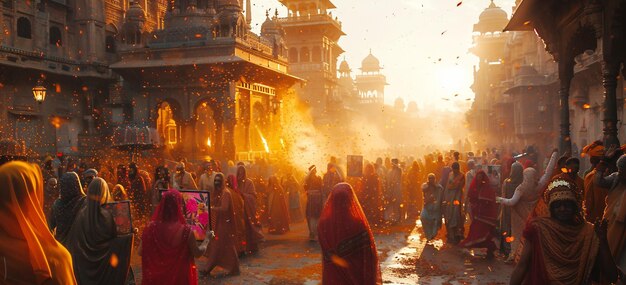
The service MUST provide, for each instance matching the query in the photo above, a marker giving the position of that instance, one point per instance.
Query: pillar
(610, 71)
(566, 73)
(219, 135)
(229, 140)
(187, 137)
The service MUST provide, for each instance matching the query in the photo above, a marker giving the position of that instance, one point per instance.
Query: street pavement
(405, 258)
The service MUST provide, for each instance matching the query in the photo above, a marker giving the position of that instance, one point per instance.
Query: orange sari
(29, 252)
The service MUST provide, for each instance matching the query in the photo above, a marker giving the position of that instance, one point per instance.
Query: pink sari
(166, 258)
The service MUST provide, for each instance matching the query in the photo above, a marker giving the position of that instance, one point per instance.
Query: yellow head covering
(594, 149)
(24, 235)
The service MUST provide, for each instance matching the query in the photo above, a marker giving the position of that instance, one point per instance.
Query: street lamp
(39, 92)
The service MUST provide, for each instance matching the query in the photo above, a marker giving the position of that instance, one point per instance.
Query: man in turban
(564, 248)
(595, 194)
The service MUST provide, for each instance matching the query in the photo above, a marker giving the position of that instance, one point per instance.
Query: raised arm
(547, 174)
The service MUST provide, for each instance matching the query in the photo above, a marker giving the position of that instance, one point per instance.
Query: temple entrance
(205, 129)
(166, 126)
(258, 136)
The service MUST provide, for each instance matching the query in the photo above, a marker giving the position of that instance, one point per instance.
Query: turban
(595, 149)
(561, 189)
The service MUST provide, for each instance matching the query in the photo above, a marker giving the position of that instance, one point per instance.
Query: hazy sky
(409, 37)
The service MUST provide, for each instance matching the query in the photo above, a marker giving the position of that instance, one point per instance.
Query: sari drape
(348, 248)
(30, 252)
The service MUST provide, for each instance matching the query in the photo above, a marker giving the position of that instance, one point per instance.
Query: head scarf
(232, 183)
(24, 236)
(98, 194)
(166, 257)
(483, 198)
(517, 174)
(71, 200)
(119, 193)
(346, 240)
(90, 171)
(91, 240)
(241, 173)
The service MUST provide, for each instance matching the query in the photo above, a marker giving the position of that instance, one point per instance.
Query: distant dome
(268, 25)
(370, 63)
(492, 19)
(135, 13)
(344, 67)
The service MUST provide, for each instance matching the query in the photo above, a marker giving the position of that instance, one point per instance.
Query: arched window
(317, 54)
(56, 38)
(109, 41)
(23, 28)
(305, 55)
(293, 55)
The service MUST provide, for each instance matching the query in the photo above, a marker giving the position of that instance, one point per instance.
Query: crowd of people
(539, 215)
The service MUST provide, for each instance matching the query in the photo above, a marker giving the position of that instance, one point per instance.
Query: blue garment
(431, 212)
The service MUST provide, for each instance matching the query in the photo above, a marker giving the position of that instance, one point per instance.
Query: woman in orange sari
(30, 254)
(348, 248)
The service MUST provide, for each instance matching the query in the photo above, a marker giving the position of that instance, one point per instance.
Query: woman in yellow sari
(28, 251)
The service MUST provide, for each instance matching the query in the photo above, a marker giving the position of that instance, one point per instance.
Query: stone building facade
(528, 101)
(192, 71)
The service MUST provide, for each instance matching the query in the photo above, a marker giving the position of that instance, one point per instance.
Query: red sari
(278, 217)
(348, 248)
(484, 213)
(166, 258)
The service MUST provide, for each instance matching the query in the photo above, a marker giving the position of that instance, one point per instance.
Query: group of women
(84, 248)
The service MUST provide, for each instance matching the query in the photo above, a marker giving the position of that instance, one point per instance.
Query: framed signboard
(196, 205)
(355, 166)
(121, 216)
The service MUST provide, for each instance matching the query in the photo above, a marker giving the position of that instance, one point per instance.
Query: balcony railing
(310, 19)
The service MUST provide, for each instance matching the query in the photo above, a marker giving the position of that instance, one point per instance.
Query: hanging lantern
(39, 92)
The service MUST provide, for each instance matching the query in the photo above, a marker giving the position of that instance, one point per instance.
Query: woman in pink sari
(482, 197)
(169, 247)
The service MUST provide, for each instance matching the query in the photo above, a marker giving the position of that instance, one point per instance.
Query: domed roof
(344, 67)
(270, 25)
(135, 13)
(492, 19)
(370, 63)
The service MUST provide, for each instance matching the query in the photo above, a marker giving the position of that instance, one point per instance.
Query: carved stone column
(610, 71)
(229, 140)
(566, 73)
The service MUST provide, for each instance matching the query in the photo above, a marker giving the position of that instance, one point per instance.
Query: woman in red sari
(482, 198)
(348, 248)
(278, 217)
(169, 246)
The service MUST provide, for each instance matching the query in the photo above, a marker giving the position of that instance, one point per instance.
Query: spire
(492, 5)
(249, 13)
